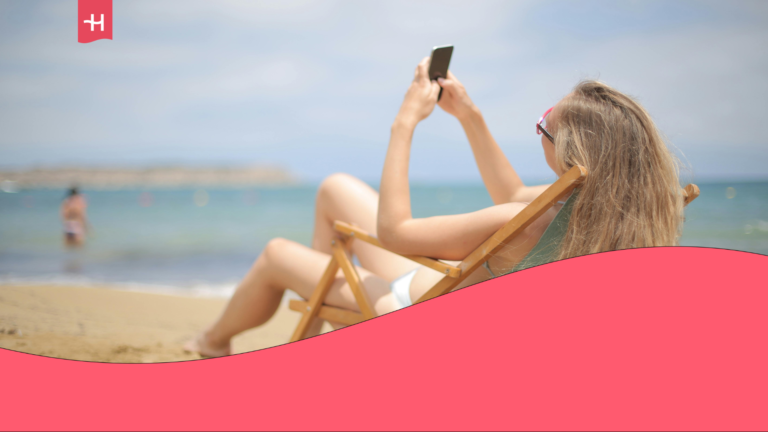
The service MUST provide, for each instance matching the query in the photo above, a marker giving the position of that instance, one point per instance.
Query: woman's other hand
(421, 97)
(455, 100)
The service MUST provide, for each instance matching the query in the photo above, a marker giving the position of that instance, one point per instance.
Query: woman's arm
(446, 237)
(501, 180)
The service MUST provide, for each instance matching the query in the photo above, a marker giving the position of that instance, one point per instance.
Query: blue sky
(314, 86)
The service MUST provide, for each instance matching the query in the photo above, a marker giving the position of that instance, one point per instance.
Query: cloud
(698, 82)
(280, 14)
(48, 48)
(250, 77)
(18, 88)
(238, 79)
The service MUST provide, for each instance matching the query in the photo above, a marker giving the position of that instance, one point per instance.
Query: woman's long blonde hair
(632, 196)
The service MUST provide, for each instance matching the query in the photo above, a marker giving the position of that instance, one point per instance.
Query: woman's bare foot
(201, 346)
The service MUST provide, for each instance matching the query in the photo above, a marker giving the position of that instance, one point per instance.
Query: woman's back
(73, 207)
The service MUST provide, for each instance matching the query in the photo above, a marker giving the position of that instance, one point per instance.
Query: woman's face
(549, 146)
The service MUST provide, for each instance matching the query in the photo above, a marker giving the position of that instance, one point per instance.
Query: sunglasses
(541, 126)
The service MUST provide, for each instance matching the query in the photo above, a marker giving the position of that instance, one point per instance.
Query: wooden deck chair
(454, 275)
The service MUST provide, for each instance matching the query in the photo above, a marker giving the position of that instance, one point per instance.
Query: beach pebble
(12, 331)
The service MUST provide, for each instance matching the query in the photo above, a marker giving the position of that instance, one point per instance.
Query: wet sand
(109, 325)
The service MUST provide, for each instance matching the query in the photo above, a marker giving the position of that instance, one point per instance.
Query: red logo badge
(94, 20)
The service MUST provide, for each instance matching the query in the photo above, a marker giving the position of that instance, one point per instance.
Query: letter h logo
(92, 22)
(88, 29)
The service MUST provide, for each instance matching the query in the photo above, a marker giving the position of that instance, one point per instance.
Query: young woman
(631, 199)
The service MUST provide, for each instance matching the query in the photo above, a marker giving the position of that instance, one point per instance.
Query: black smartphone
(438, 63)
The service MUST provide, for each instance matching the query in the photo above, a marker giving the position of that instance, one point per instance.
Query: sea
(200, 242)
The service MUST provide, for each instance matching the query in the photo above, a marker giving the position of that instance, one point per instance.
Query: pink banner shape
(656, 338)
(94, 20)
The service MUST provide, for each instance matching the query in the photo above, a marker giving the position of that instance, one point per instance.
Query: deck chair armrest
(357, 233)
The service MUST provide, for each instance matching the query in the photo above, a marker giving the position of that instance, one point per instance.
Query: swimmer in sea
(73, 215)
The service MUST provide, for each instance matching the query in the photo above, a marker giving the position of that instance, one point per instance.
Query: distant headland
(122, 178)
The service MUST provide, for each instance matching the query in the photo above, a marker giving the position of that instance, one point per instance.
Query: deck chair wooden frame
(454, 275)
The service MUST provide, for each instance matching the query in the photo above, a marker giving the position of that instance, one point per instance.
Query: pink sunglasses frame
(540, 129)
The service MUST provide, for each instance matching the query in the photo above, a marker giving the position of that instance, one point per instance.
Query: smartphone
(438, 63)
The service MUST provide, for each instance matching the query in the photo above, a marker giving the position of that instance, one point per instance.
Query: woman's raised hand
(455, 100)
(421, 97)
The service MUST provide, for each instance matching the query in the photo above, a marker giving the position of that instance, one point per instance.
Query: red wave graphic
(658, 338)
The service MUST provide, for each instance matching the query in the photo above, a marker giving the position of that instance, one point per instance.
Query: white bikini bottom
(401, 288)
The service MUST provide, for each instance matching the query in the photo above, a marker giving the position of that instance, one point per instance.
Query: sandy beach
(108, 325)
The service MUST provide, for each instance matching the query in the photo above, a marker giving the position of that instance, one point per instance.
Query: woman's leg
(284, 264)
(288, 265)
(348, 199)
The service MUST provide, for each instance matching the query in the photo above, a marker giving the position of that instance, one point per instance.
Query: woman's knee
(334, 184)
(275, 248)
